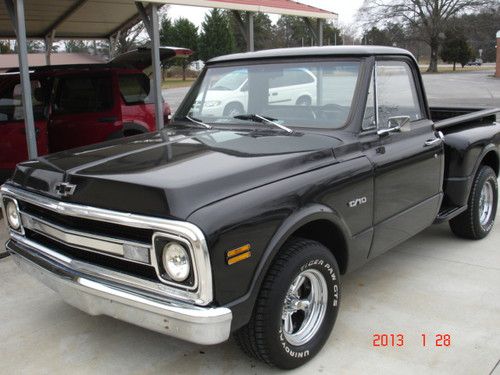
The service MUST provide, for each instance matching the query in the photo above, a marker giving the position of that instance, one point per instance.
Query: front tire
(477, 221)
(233, 109)
(296, 307)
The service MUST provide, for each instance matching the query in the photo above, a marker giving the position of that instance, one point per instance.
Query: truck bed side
(472, 139)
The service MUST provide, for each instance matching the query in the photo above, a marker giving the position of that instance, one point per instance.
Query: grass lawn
(172, 83)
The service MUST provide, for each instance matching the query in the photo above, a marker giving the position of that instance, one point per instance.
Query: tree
(293, 32)
(378, 37)
(129, 39)
(166, 32)
(216, 38)
(185, 34)
(427, 17)
(332, 35)
(76, 46)
(263, 32)
(5, 47)
(480, 29)
(456, 50)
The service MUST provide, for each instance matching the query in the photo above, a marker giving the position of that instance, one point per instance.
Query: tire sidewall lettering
(328, 271)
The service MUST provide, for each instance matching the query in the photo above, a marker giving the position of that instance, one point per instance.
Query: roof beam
(145, 18)
(136, 18)
(72, 10)
(9, 4)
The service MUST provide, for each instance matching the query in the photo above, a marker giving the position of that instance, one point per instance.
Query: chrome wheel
(304, 307)
(486, 203)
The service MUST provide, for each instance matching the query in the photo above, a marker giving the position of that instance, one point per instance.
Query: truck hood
(175, 172)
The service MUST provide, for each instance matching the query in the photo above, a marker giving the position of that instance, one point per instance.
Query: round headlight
(13, 215)
(176, 261)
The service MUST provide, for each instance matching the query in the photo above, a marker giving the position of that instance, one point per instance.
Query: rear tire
(296, 307)
(477, 221)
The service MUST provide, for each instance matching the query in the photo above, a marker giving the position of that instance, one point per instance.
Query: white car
(228, 96)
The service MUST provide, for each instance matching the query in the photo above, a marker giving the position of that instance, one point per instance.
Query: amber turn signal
(239, 254)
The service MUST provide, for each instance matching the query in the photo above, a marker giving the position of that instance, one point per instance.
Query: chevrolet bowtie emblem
(63, 189)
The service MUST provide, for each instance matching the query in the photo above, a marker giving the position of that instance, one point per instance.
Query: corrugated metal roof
(288, 7)
(103, 18)
(11, 60)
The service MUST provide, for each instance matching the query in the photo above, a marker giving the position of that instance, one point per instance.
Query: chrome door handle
(431, 142)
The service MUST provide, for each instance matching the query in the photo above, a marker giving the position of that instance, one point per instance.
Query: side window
(11, 104)
(134, 88)
(369, 118)
(396, 92)
(83, 94)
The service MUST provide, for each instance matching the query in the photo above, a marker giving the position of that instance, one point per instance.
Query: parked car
(79, 105)
(476, 62)
(228, 94)
(246, 224)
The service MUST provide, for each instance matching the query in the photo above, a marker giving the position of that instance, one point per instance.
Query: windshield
(300, 94)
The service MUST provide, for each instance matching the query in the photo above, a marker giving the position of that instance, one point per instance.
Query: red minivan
(78, 105)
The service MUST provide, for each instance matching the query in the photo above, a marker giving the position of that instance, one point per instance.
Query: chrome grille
(68, 229)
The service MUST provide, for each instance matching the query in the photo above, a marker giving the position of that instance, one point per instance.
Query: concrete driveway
(432, 284)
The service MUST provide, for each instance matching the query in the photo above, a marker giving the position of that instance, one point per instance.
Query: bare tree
(427, 17)
(130, 38)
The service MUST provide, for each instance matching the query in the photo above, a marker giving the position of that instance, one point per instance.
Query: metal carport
(103, 19)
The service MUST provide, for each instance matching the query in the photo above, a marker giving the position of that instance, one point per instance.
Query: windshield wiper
(198, 122)
(259, 118)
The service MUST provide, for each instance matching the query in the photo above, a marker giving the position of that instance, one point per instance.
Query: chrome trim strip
(82, 240)
(189, 232)
(201, 325)
(70, 237)
(103, 273)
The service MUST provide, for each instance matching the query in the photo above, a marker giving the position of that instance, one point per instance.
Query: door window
(396, 92)
(369, 118)
(82, 94)
(11, 104)
(134, 88)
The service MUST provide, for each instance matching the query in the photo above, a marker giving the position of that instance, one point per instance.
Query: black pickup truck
(282, 171)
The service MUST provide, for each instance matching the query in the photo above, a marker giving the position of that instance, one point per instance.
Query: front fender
(265, 217)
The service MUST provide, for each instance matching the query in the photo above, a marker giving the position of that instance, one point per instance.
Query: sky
(345, 9)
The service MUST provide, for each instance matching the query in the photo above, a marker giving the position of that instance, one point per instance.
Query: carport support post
(155, 55)
(498, 55)
(251, 37)
(20, 26)
(320, 32)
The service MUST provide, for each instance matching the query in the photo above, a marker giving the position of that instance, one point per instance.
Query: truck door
(84, 111)
(409, 163)
(13, 148)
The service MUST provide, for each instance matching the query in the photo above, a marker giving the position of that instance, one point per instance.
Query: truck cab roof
(313, 51)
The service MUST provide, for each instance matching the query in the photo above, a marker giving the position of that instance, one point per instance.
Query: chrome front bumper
(201, 325)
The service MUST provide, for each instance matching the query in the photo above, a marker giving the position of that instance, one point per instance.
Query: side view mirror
(395, 124)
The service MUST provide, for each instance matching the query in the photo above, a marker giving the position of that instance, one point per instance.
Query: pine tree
(185, 34)
(216, 38)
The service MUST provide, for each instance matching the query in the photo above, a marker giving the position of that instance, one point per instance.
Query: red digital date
(391, 339)
(439, 340)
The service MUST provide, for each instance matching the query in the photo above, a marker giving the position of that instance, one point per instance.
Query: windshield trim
(357, 98)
